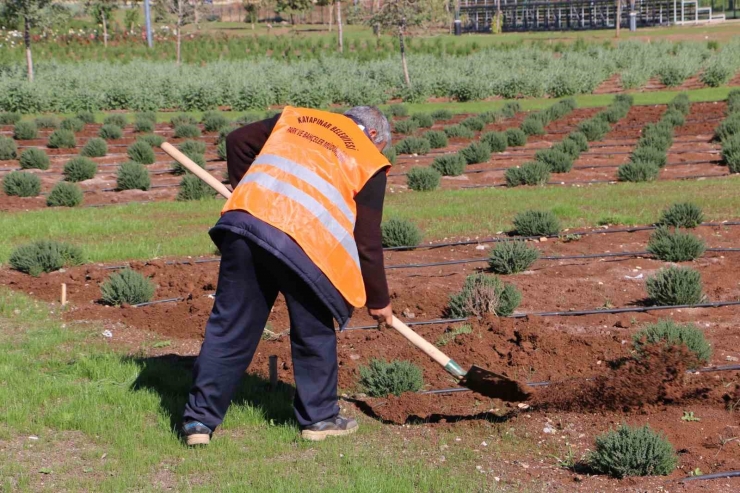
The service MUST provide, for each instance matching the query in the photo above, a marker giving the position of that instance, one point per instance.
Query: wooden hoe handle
(195, 169)
(431, 350)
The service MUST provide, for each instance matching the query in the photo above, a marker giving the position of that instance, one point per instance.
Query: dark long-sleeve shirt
(245, 143)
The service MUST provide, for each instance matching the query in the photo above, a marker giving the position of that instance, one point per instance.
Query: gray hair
(372, 119)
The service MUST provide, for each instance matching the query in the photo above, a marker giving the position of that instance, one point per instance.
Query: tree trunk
(339, 26)
(105, 28)
(292, 20)
(179, 30)
(331, 16)
(196, 14)
(619, 16)
(403, 54)
(27, 41)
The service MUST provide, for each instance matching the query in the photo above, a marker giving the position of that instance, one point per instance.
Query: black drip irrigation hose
(157, 302)
(574, 313)
(554, 257)
(455, 390)
(633, 229)
(716, 475)
(455, 262)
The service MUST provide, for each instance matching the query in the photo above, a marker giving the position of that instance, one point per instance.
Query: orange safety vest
(304, 183)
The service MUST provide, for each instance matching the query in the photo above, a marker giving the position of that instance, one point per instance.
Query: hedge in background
(65, 194)
(45, 256)
(422, 179)
(516, 137)
(25, 131)
(62, 139)
(79, 169)
(133, 176)
(449, 164)
(413, 145)
(675, 246)
(476, 152)
(8, 149)
(126, 287)
(675, 286)
(110, 132)
(532, 173)
(47, 122)
(73, 124)
(141, 152)
(193, 188)
(536, 223)
(95, 147)
(34, 158)
(638, 171)
(511, 257)
(437, 139)
(400, 233)
(496, 141)
(22, 184)
(682, 215)
(483, 294)
(118, 120)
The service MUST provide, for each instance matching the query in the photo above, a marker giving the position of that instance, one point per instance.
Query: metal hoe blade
(495, 386)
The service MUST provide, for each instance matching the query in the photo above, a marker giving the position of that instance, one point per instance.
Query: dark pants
(248, 283)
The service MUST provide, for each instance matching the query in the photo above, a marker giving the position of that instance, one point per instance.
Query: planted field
(589, 253)
(582, 300)
(694, 151)
(531, 72)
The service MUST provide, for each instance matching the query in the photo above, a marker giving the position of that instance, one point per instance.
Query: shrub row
(650, 155)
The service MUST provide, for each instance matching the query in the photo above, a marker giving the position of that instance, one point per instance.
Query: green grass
(583, 100)
(143, 231)
(104, 422)
(486, 211)
(118, 233)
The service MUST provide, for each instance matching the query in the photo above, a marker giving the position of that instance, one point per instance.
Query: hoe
(476, 379)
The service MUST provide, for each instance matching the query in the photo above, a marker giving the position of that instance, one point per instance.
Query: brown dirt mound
(657, 378)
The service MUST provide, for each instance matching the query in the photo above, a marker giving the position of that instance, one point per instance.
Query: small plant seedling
(450, 336)
(689, 416)
(608, 305)
(161, 344)
(568, 461)
(570, 237)
(696, 472)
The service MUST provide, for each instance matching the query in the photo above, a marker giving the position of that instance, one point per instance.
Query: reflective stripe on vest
(302, 173)
(312, 206)
(304, 183)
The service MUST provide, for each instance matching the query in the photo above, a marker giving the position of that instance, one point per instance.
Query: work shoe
(337, 426)
(196, 433)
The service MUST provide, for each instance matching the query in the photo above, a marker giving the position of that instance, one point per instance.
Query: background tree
(397, 16)
(292, 6)
(326, 3)
(340, 33)
(184, 11)
(29, 12)
(101, 12)
(132, 17)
